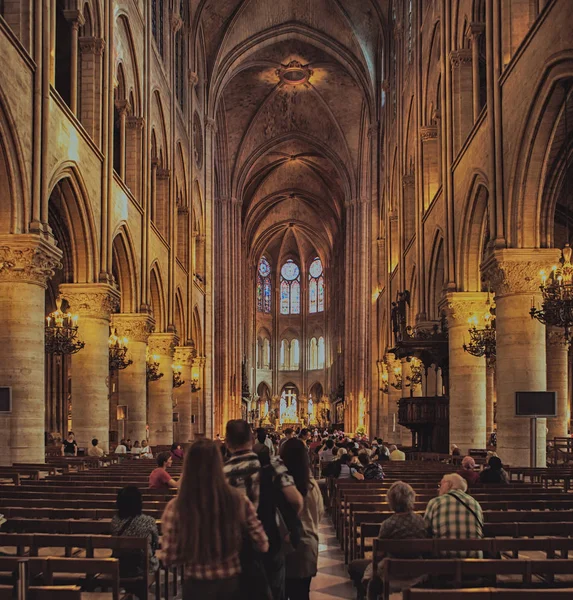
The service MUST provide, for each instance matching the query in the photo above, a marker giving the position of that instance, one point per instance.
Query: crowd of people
(245, 520)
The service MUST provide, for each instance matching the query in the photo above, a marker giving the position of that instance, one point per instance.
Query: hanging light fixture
(177, 380)
(397, 383)
(195, 379)
(383, 374)
(152, 368)
(482, 339)
(416, 372)
(118, 352)
(62, 332)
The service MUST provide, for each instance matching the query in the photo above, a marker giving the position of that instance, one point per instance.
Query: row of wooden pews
(59, 525)
(528, 528)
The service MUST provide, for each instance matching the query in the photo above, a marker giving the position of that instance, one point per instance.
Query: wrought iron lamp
(482, 339)
(152, 368)
(383, 374)
(177, 380)
(118, 352)
(195, 379)
(557, 290)
(416, 372)
(62, 332)
(397, 383)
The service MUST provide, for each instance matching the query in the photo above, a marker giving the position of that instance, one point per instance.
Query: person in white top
(136, 448)
(325, 453)
(121, 448)
(145, 450)
(95, 450)
(396, 454)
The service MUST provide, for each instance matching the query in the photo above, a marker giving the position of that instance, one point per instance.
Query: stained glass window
(315, 287)
(313, 354)
(264, 286)
(290, 288)
(321, 353)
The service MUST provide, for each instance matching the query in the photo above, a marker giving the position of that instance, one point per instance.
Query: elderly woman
(403, 524)
(468, 471)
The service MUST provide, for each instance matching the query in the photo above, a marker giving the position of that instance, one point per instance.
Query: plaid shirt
(243, 472)
(447, 517)
(224, 568)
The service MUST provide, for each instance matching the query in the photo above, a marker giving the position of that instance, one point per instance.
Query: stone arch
(14, 199)
(127, 55)
(157, 295)
(198, 332)
(124, 267)
(159, 123)
(526, 193)
(472, 227)
(180, 325)
(316, 390)
(436, 275)
(68, 193)
(264, 391)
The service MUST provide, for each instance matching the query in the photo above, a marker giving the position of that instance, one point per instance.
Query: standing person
(245, 472)
(289, 433)
(301, 565)
(69, 445)
(159, 478)
(203, 525)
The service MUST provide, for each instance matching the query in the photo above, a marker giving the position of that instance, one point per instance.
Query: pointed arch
(436, 275)
(124, 267)
(157, 297)
(180, 325)
(197, 332)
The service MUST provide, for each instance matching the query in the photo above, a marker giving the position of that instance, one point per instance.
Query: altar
(288, 413)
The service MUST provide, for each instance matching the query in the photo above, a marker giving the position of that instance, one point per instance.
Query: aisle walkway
(332, 580)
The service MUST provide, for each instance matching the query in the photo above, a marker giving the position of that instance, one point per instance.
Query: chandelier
(177, 380)
(416, 372)
(383, 372)
(152, 368)
(557, 291)
(195, 379)
(62, 332)
(118, 352)
(482, 339)
(397, 383)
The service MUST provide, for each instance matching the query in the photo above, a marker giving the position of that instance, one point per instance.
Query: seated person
(468, 471)
(121, 448)
(403, 524)
(176, 452)
(396, 454)
(145, 450)
(342, 469)
(130, 521)
(372, 471)
(456, 451)
(455, 514)
(69, 445)
(159, 478)
(136, 449)
(95, 450)
(494, 472)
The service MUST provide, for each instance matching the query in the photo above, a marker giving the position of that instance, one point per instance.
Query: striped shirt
(451, 516)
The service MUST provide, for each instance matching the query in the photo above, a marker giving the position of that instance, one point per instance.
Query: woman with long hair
(301, 565)
(203, 527)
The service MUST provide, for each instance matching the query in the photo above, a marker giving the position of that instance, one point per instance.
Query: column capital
(92, 45)
(461, 57)
(516, 270)
(137, 327)
(132, 122)
(428, 133)
(75, 17)
(123, 106)
(95, 300)
(185, 355)
(28, 258)
(460, 306)
(476, 29)
(162, 343)
(555, 337)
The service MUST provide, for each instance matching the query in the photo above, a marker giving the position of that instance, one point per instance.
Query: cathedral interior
(331, 213)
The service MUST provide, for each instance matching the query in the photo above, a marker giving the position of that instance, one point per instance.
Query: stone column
(462, 95)
(76, 19)
(160, 392)
(182, 395)
(467, 373)
(430, 163)
(93, 303)
(26, 263)
(489, 399)
(557, 380)
(520, 352)
(476, 31)
(132, 382)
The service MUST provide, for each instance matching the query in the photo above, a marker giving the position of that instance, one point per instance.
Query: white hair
(457, 482)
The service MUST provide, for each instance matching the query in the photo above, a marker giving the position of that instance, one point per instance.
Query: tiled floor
(332, 579)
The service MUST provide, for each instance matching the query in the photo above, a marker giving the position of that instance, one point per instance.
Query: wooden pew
(488, 594)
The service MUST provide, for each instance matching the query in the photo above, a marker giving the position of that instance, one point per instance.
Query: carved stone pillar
(91, 50)
(477, 30)
(182, 395)
(520, 352)
(467, 373)
(162, 199)
(409, 207)
(430, 163)
(160, 392)
(132, 382)
(123, 108)
(134, 155)
(94, 303)
(557, 380)
(76, 19)
(26, 263)
(462, 95)
(489, 400)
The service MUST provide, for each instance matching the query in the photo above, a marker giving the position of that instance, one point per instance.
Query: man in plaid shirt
(455, 514)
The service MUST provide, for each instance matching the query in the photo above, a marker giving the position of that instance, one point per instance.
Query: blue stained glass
(267, 296)
(312, 295)
(285, 293)
(264, 267)
(290, 271)
(315, 269)
(295, 298)
(321, 294)
(259, 295)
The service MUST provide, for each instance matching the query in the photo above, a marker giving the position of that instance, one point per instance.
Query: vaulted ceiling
(291, 145)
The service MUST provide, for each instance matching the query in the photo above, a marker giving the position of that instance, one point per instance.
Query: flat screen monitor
(535, 404)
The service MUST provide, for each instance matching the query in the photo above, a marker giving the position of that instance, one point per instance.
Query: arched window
(264, 286)
(320, 353)
(313, 354)
(266, 354)
(290, 288)
(284, 358)
(157, 23)
(294, 355)
(316, 287)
